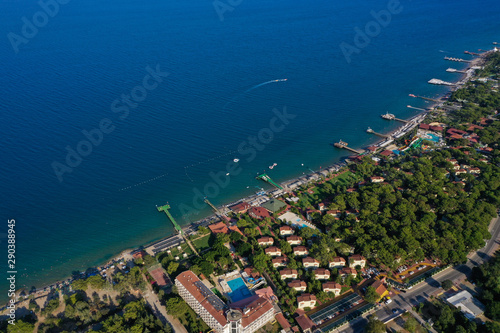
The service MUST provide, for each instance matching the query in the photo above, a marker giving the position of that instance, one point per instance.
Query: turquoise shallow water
(65, 79)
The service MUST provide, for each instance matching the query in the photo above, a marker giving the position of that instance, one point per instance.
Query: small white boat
(227, 174)
(236, 160)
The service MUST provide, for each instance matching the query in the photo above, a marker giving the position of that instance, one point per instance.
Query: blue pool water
(434, 137)
(239, 290)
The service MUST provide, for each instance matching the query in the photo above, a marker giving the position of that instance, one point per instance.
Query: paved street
(419, 293)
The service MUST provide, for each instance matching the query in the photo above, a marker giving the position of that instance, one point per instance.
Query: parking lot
(336, 308)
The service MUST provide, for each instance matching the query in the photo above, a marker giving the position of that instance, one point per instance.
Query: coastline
(304, 178)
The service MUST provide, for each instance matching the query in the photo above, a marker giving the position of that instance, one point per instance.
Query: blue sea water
(65, 79)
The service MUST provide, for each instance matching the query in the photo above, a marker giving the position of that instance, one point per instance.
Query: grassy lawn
(201, 243)
(217, 292)
(343, 178)
(185, 249)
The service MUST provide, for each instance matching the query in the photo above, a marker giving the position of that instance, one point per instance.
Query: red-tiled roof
(285, 227)
(252, 308)
(282, 321)
(288, 271)
(348, 270)
(338, 260)
(331, 285)
(272, 249)
(252, 272)
(293, 238)
(219, 228)
(379, 287)
(297, 284)
(310, 260)
(356, 257)
(258, 212)
(240, 207)
(236, 229)
(304, 322)
(386, 153)
(321, 271)
(266, 293)
(188, 279)
(279, 260)
(424, 126)
(300, 249)
(305, 298)
(436, 128)
(455, 131)
(265, 240)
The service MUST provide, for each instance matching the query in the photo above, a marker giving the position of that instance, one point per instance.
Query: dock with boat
(390, 116)
(344, 145)
(439, 82)
(268, 179)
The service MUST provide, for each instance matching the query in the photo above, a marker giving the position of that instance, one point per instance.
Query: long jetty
(456, 59)
(392, 117)
(343, 145)
(412, 107)
(221, 215)
(425, 98)
(453, 70)
(165, 209)
(369, 130)
(268, 179)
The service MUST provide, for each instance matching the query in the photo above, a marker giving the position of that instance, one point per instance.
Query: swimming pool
(239, 290)
(433, 137)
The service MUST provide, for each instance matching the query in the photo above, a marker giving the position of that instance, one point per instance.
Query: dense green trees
(375, 326)
(418, 213)
(487, 278)
(411, 324)
(446, 284)
(178, 308)
(371, 295)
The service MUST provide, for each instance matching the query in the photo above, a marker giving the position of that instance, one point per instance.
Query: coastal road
(160, 311)
(431, 286)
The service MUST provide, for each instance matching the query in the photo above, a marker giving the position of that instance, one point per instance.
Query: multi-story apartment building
(245, 316)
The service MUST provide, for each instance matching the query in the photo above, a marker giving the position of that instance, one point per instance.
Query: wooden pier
(343, 145)
(397, 119)
(369, 130)
(425, 98)
(219, 214)
(165, 209)
(456, 59)
(268, 179)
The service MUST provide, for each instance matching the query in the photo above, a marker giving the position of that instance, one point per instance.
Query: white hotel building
(245, 316)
